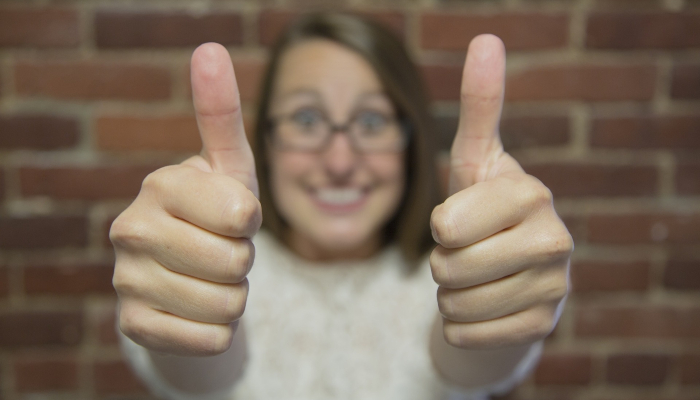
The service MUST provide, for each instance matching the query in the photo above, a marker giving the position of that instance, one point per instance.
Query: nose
(340, 159)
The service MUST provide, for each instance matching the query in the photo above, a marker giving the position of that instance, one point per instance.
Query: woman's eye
(307, 118)
(372, 121)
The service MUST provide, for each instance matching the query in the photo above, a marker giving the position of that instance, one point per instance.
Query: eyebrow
(317, 96)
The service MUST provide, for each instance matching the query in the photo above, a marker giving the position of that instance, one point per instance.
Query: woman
(341, 303)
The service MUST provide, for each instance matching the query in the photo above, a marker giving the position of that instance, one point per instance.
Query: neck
(306, 248)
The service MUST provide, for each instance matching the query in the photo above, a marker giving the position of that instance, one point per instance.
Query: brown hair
(403, 84)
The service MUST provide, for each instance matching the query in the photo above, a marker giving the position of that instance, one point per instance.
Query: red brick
(443, 81)
(519, 31)
(690, 369)
(118, 29)
(39, 27)
(685, 81)
(115, 377)
(271, 23)
(598, 276)
(92, 80)
(91, 183)
(627, 4)
(563, 369)
(4, 281)
(668, 132)
(646, 30)
(41, 132)
(582, 82)
(41, 375)
(637, 369)
(682, 274)
(644, 321)
(42, 232)
(40, 328)
(644, 228)
(687, 178)
(164, 133)
(68, 279)
(516, 132)
(572, 180)
(106, 328)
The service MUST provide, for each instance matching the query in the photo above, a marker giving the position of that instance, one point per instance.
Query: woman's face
(338, 199)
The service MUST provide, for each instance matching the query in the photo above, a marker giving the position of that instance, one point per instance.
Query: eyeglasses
(310, 130)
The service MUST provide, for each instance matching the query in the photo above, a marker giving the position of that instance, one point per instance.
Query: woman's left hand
(502, 260)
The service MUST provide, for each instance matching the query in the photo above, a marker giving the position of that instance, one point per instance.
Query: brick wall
(603, 106)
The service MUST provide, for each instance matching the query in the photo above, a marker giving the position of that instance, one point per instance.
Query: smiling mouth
(339, 200)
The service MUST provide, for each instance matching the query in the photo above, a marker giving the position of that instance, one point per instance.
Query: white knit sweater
(345, 330)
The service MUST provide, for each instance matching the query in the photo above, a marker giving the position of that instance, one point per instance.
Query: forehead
(330, 69)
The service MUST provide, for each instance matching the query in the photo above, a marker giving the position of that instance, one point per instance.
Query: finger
(218, 109)
(477, 142)
(484, 209)
(214, 202)
(505, 296)
(163, 332)
(523, 327)
(532, 245)
(184, 296)
(187, 249)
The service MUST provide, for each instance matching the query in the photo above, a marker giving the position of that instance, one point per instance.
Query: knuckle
(535, 193)
(557, 245)
(444, 226)
(240, 261)
(128, 232)
(444, 300)
(438, 266)
(235, 301)
(221, 340)
(246, 214)
(130, 322)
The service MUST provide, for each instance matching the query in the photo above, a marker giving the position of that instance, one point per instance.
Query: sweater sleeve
(141, 363)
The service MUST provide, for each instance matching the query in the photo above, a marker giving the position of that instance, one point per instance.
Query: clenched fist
(183, 247)
(502, 260)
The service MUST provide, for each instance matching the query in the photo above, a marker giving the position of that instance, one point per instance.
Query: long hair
(402, 82)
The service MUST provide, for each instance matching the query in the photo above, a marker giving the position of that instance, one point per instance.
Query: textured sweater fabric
(342, 330)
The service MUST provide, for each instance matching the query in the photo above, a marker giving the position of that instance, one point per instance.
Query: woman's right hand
(183, 247)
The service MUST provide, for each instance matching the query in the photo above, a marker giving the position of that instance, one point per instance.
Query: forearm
(473, 369)
(196, 376)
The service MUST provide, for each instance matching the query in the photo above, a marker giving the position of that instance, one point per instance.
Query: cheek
(285, 169)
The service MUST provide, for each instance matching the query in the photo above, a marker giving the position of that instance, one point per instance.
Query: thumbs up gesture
(502, 260)
(183, 247)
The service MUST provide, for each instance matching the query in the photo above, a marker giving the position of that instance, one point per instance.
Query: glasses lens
(305, 129)
(375, 131)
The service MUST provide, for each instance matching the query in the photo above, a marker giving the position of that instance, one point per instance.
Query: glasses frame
(344, 128)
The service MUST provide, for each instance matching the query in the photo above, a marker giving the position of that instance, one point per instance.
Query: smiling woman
(341, 301)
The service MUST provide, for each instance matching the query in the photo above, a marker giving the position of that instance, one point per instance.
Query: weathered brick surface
(91, 80)
(643, 30)
(168, 133)
(685, 81)
(597, 276)
(42, 232)
(36, 131)
(682, 274)
(4, 281)
(117, 29)
(115, 377)
(687, 182)
(644, 228)
(272, 22)
(637, 369)
(647, 321)
(647, 132)
(690, 369)
(84, 183)
(42, 375)
(519, 31)
(563, 369)
(568, 180)
(40, 328)
(39, 27)
(68, 279)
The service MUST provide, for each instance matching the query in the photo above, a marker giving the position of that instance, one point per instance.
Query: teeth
(339, 196)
